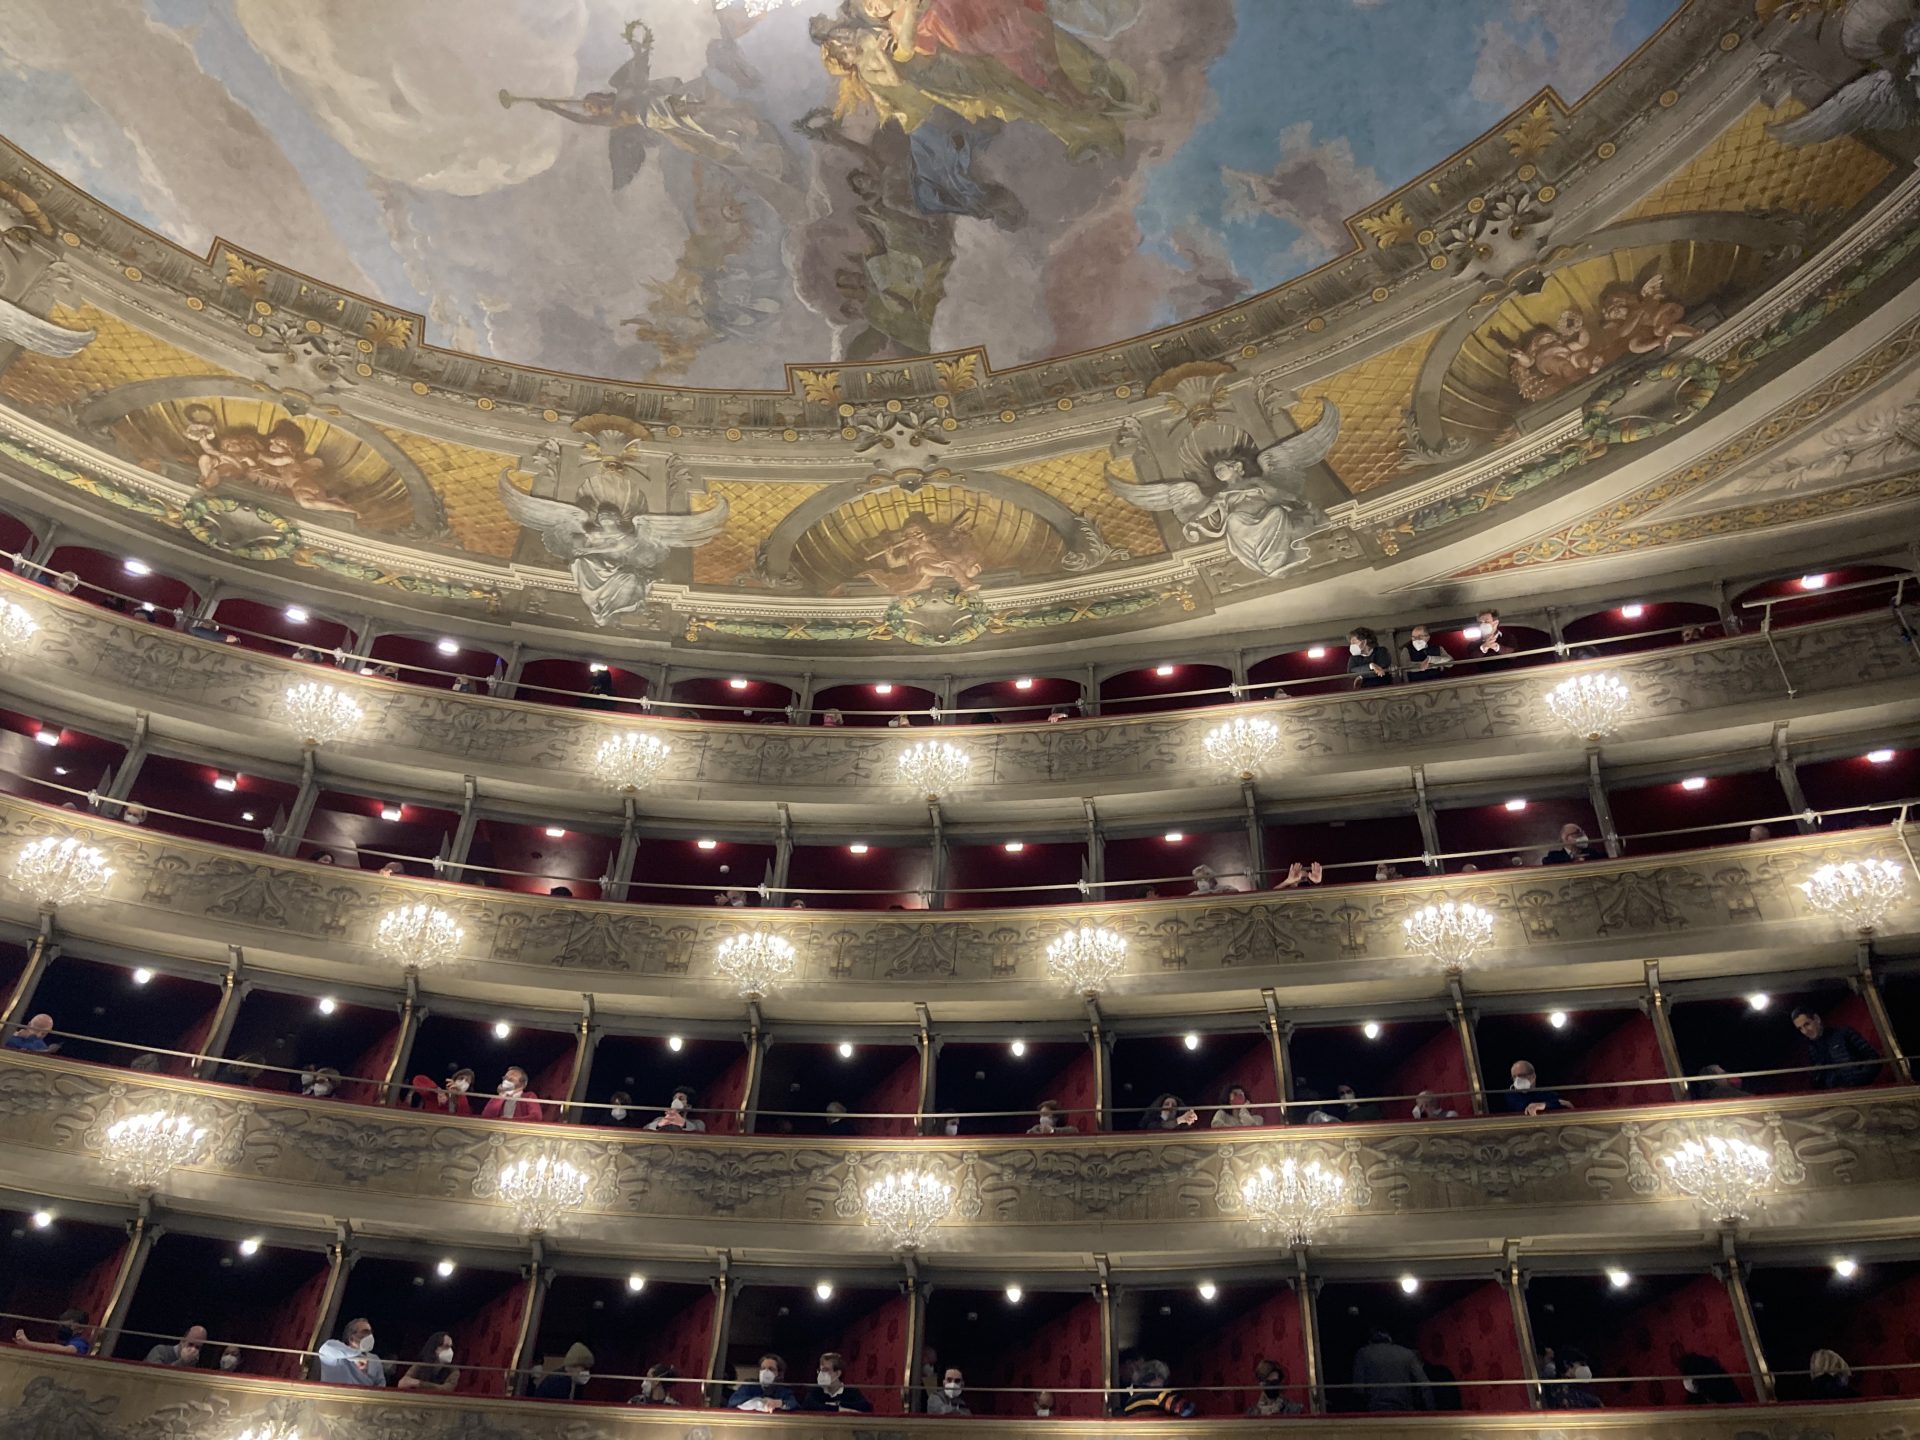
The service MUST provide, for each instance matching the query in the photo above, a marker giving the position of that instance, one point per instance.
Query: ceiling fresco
(687, 192)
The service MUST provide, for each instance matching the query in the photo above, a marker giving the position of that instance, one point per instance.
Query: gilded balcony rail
(110, 664)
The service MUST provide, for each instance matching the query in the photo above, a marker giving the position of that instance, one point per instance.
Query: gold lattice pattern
(1747, 169)
(1372, 397)
(753, 511)
(119, 355)
(467, 481)
(1079, 482)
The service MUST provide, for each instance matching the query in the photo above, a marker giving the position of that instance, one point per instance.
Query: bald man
(33, 1036)
(184, 1353)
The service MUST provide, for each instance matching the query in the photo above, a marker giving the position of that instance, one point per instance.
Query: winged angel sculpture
(1886, 35)
(614, 547)
(1254, 499)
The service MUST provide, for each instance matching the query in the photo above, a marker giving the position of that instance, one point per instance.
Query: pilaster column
(1090, 693)
(128, 771)
(916, 1333)
(717, 1341)
(1102, 1067)
(1655, 1005)
(1096, 867)
(1516, 1283)
(1469, 1046)
(1277, 1045)
(782, 853)
(924, 1103)
(38, 954)
(1732, 1275)
(410, 1015)
(233, 990)
(288, 843)
(937, 872)
(1429, 827)
(623, 859)
(1103, 1291)
(586, 1038)
(462, 845)
(1284, 1044)
(533, 1304)
(1788, 775)
(756, 1066)
(1256, 836)
(141, 1233)
(1602, 806)
(339, 1261)
(1307, 1289)
(508, 681)
(42, 549)
(1868, 988)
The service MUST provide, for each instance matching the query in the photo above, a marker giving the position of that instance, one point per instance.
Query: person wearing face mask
(1525, 1098)
(350, 1359)
(320, 1083)
(1707, 1382)
(1368, 661)
(230, 1359)
(679, 1114)
(654, 1386)
(1492, 642)
(449, 1097)
(1576, 1391)
(1043, 1405)
(1425, 659)
(1272, 1380)
(950, 1398)
(515, 1100)
(1051, 1121)
(70, 1337)
(566, 1383)
(1573, 846)
(1429, 1106)
(830, 1389)
(765, 1394)
(1169, 1112)
(184, 1353)
(619, 1107)
(434, 1369)
(1236, 1113)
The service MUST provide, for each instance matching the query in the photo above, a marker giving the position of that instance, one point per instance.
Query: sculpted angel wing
(30, 332)
(1876, 29)
(1879, 100)
(563, 529)
(1305, 450)
(1179, 496)
(684, 530)
(627, 152)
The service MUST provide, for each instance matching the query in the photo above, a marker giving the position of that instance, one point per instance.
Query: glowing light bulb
(1208, 1290)
(1019, 1048)
(1516, 806)
(1014, 847)
(1014, 1292)
(1174, 837)
(824, 1290)
(328, 1005)
(636, 1282)
(846, 1049)
(1192, 1041)
(250, 1246)
(1618, 1278)
(501, 1030)
(1558, 1019)
(1025, 682)
(706, 844)
(1316, 652)
(1371, 1029)
(1694, 782)
(1879, 757)
(1813, 582)
(1759, 1000)
(1409, 1284)
(859, 847)
(1163, 671)
(1846, 1267)
(1632, 612)
(142, 975)
(444, 1269)
(447, 646)
(676, 1043)
(737, 683)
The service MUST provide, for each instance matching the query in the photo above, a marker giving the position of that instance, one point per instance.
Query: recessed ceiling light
(676, 1043)
(883, 689)
(1191, 1041)
(556, 832)
(501, 1029)
(706, 844)
(1632, 612)
(1014, 1292)
(1516, 805)
(1316, 652)
(250, 1246)
(1208, 1290)
(447, 646)
(247, 815)
(1025, 682)
(1409, 1284)
(42, 1219)
(1759, 1000)
(444, 1269)
(859, 847)
(1472, 632)
(390, 812)
(1014, 847)
(636, 1282)
(1846, 1267)
(596, 668)
(1694, 782)
(328, 1005)
(1371, 1029)
(142, 975)
(1879, 757)
(138, 567)
(1163, 671)
(228, 783)
(47, 736)
(824, 1290)
(846, 1049)
(1019, 1048)
(738, 683)
(1173, 837)
(1813, 582)
(297, 614)
(1618, 1278)
(1557, 1019)
(62, 770)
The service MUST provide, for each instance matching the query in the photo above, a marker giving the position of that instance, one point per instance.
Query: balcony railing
(109, 664)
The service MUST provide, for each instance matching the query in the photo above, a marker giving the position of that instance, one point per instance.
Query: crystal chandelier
(142, 1150)
(56, 871)
(934, 768)
(757, 961)
(321, 713)
(1591, 706)
(1450, 932)
(907, 1205)
(541, 1188)
(16, 629)
(1293, 1201)
(1241, 744)
(1859, 892)
(270, 1430)
(418, 935)
(1087, 958)
(1726, 1176)
(628, 762)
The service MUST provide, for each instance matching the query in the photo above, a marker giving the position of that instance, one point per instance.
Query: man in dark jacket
(1838, 1045)
(1391, 1376)
(831, 1391)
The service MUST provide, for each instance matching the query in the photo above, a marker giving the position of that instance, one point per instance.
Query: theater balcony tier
(1555, 926)
(1845, 1164)
(87, 663)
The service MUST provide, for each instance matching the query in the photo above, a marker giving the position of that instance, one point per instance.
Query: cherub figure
(923, 553)
(1638, 317)
(1548, 358)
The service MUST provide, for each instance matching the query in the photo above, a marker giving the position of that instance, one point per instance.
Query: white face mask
(581, 1377)
(825, 1378)
(507, 1087)
(1576, 842)
(679, 1104)
(767, 1377)
(1689, 1387)
(459, 1087)
(952, 1389)
(1041, 1413)
(321, 1087)
(1419, 644)
(1523, 1082)
(1581, 1372)
(953, 1127)
(618, 1112)
(1357, 648)
(365, 1343)
(445, 1357)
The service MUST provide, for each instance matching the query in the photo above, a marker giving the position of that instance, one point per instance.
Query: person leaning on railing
(1852, 1059)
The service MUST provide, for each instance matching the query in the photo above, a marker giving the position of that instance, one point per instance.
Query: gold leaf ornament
(393, 332)
(1390, 227)
(960, 375)
(1529, 139)
(249, 280)
(820, 387)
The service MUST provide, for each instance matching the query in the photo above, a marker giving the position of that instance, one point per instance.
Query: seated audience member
(1368, 661)
(350, 1359)
(434, 1369)
(251, 1070)
(515, 1101)
(1055, 716)
(182, 1354)
(950, 1398)
(1169, 1112)
(566, 1383)
(32, 1037)
(1347, 1108)
(619, 1107)
(1050, 1121)
(1575, 1391)
(1757, 833)
(1524, 1098)
(146, 1062)
(1390, 1376)
(1429, 1106)
(1491, 641)
(1574, 846)
(679, 1114)
(1715, 1084)
(731, 899)
(830, 1389)
(765, 1393)
(320, 1083)
(1384, 871)
(1236, 1112)
(1043, 1405)
(71, 1336)
(833, 719)
(1425, 659)
(465, 685)
(1152, 1393)
(1837, 1045)
(1298, 875)
(654, 1389)
(1706, 1381)
(1830, 1377)
(449, 1097)
(1206, 881)
(1272, 1380)
(230, 1359)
